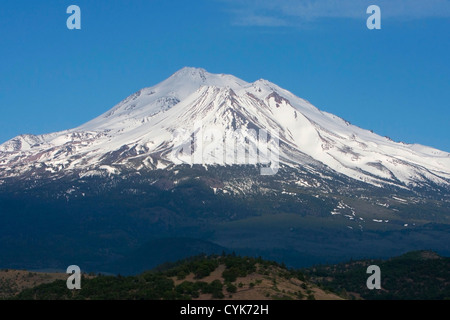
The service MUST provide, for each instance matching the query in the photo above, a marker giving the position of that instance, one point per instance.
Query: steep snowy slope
(153, 129)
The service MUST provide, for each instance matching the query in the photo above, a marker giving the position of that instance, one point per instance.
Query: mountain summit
(201, 163)
(140, 133)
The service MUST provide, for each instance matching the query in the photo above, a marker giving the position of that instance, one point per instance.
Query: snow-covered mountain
(150, 129)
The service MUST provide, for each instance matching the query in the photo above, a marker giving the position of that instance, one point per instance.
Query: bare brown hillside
(14, 281)
(267, 283)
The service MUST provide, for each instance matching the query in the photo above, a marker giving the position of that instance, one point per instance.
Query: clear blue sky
(395, 81)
